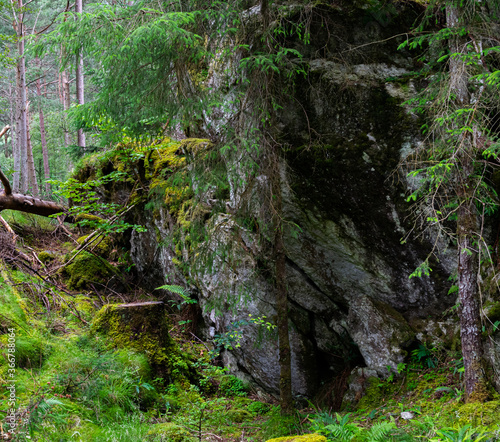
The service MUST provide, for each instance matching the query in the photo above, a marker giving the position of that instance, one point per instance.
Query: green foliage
(463, 434)
(87, 201)
(424, 356)
(232, 337)
(452, 125)
(232, 386)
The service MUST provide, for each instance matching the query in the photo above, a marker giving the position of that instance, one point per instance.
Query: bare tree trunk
(80, 90)
(32, 181)
(21, 116)
(45, 153)
(467, 225)
(66, 106)
(66, 98)
(286, 399)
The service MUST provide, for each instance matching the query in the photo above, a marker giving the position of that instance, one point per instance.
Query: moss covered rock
(304, 438)
(85, 269)
(101, 245)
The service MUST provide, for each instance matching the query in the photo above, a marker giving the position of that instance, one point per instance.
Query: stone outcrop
(352, 302)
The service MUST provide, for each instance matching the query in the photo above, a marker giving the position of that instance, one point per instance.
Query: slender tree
(32, 181)
(45, 152)
(80, 87)
(21, 151)
(453, 164)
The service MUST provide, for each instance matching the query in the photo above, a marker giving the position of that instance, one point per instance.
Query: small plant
(462, 434)
(230, 340)
(424, 356)
(338, 429)
(455, 392)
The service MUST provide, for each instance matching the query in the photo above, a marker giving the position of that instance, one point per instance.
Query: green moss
(232, 386)
(374, 394)
(304, 438)
(46, 256)
(475, 414)
(239, 416)
(258, 408)
(163, 156)
(144, 328)
(101, 246)
(493, 312)
(169, 432)
(87, 268)
(88, 217)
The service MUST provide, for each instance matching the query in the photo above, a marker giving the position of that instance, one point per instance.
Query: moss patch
(304, 438)
(238, 415)
(476, 414)
(144, 328)
(87, 268)
(169, 432)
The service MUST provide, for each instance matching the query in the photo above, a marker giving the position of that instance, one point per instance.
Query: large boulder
(348, 259)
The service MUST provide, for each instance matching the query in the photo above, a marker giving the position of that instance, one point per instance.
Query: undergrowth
(75, 385)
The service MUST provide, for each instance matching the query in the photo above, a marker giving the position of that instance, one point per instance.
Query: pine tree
(453, 164)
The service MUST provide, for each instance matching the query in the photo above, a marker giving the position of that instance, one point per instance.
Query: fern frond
(342, 433)
(177, 289)
(380, 432)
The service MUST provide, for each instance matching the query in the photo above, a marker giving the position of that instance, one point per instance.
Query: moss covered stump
(142, 326)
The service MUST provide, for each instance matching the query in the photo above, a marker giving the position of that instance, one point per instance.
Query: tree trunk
(45, 153)
(66, 97)
(467, 224)
(80, 91)
(21, 116)
(32, 182)
(286, 399)
(28, 204)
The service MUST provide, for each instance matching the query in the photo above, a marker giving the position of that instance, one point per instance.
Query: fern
(380, 432)
(46, 404)
(177, 289)
(342, 433)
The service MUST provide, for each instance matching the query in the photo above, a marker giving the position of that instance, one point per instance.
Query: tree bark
(21, 101)
(80, 88)
(66, 97)
(467, 225)
(28, 204)
(286, 399)
(45, 153)
(32, 181)
(22, 119)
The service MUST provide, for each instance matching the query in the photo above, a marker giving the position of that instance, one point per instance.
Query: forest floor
(64, 381)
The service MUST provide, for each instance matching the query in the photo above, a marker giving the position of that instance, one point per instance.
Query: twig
(197, 338)
(8, 228)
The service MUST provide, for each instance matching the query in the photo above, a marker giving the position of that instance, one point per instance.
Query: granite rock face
(351, 300)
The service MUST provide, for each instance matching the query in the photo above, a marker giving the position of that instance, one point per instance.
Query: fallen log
(27, 203)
